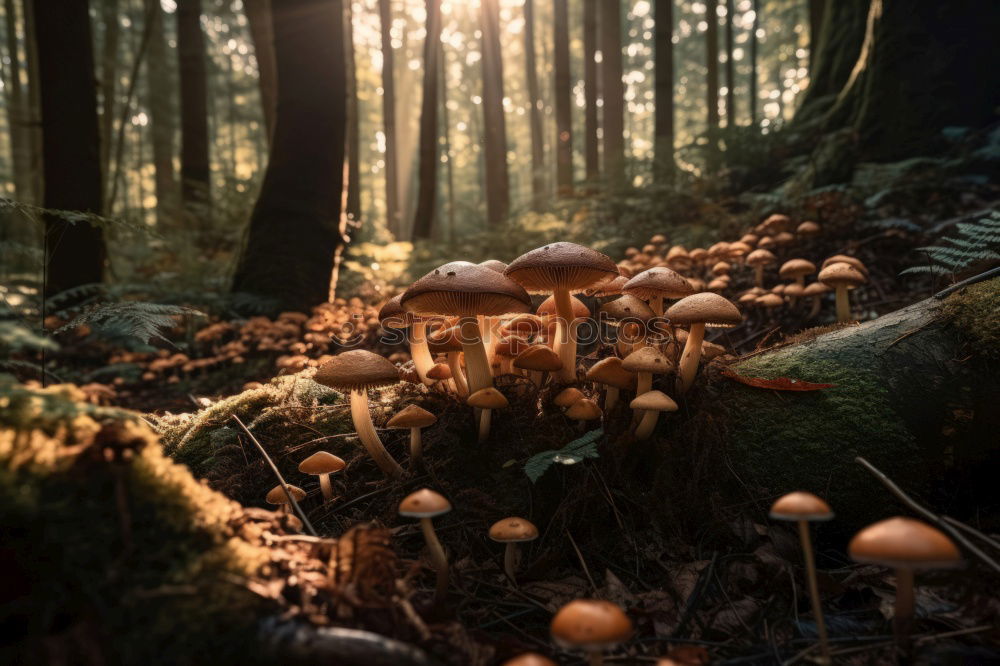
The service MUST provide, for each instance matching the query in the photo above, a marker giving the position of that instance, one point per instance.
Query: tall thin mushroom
(322, 464)
(392, 316)
(413, 418)
(698, 311)
(425, 504)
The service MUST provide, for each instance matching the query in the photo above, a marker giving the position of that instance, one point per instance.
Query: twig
(281, 480)
(972, 530)
(929, 515)
(583, 562)
(993, 272)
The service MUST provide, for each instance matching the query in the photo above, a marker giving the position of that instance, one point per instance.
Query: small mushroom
(567, 397)
(801, 508)
(487, 400)
(592, 626)
(530, 659)
(392, 316)
(797, 269)
(539, 360)
(278, 496)
(758, 259)
(323, 464)
(699, 311)
(512, 531)
(655, 284)
(650, 404)
(647, 362)
(842, 276)
(426, 504)
(584, 410)
(414, 418)
(815, 290)
(609, 371)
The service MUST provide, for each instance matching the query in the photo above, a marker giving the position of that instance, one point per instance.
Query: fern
(974, 243)
(145, 321)
(572, 453)
(35, 213)
(15, 338)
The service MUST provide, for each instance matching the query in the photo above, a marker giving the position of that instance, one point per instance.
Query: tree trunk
(392, 215)
(730, 67)
(195, 166)
(294, 229)
(262, 34)
(161, 118)
(18, 113)
(664, 86)
(423, 220)
(446, 147)
(817, 12)
(34, 101)
(591, 147)
(563, 101)
(353, 204)
(613, 89)
(753, 64)
(535, 110)
(712, 84)
(75, 253)
(497, 183)
(109, 79)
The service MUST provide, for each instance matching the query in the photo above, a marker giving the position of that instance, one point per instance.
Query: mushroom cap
(784, 238)
(808, 228)
(904, 543)
(794, 290)
(357, 370)
(770, 301)
(487, 398)
(658, 282)
(612, 288)
(794, 268)
(424, 503)
(538, 358)
(393, 316)
(548, 308)
(494, 265)
(511, 346)
(721, 268)
(561, 266)
(710, 350)
(847, 259)
(439, 371)
(777, 222)
(530, 659)
(513, 530)
(277, 494)
(656, 401)
(778, 289)
(411, 416)
(717, 285)
(748, 299)
(658, 239)
(445, 340)
(841, 274)
(706, 307)
(739, 249)
(464, 290)
(321, 462)
(590, 624)
(567, 397)
(815, 289)
(627, 307)
(800, 505)
(584, 409)
(761, 257)
(523, 323)
(648, 359)
(609, 371)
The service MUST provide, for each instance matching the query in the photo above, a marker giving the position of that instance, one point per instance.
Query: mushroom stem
(416, 446)
(565, 342)
(485, 418)
(510, 560)
(656, 305)
(438, 558)
(815, 307)
(647, 423)
(366, 433)
(817, 609)
(758, 272)
(476, 362)
(457, 374)
(610, 398)
(420, 352)
(596, 658)
(843, 304)
(690, 357)
(904, 606)
(326, 487)
(644, 384)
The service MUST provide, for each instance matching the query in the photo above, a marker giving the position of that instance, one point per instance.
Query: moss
(975, 310)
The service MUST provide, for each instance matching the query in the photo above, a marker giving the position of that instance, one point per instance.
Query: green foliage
(36, 213)
(144, 321)
(574, 452)
(976, 310)
(975, 243)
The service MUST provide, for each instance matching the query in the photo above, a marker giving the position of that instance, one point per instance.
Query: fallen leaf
(776, 384)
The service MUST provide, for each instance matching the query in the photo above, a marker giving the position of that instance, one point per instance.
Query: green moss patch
(976, 311)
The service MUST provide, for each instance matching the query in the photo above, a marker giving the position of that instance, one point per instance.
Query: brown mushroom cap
(656, 401)
(808, 228)
(903, 543)
(627, 307)
(530, 659)
(721, 268)
(794, 290)
(800, 505)
(584, 409)
(794, 268)
(847, 259)
(841, 274)
(487, 398)
(494, 265)
(815, 289)
(590, 624)
(567, 397)
(561, 266)
(548, 308)
(321, 462)
(609, 371)
(277, 494)
(761, 258)
(393, 316)
(706, 307)
(525, 323)
(463, 289)
(648, 359)
(424, 503)
(539, 358)
(770, 301)
(612, 288)
(658, 282)
(439, 371)
(513, 530)
(411, 416)
(357, 370)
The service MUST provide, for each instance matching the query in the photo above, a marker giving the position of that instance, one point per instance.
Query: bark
(817, 12)
(162, 126)
(833, 55)
(299, 644)
(18, 113)
(262, 34)
(75, 253)
(753, 63)
(712, 84)
(423, 220)
(497, 183)
(563, 100)
(195, 167)
(109, 79)
(663, 130)
(446, 147)
(613, 88)
(294, 230)
(535, 110)
(353, 204)
(392, 215)
(34, 100)
(591, 147)
(730, 67)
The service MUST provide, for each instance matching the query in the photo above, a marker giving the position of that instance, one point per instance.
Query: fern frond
(974, 243)
(36, 213)
(145, 321)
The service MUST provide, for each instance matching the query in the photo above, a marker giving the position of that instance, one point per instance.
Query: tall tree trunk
(109, 78)
(18, 113)
(535, 111)
(563, 101)
(495, 127)
(34, 102)
(592, 152)
(446, 146)
(295, 229)
(353, 204)
(423, 219)
(817, 12)
(195, 166)
(712, 83)
(663, 130)
(753, 63)
(392, 214)
(730, 67)
(613, 88)
(161, 117)
(75, 253)
(262, 34)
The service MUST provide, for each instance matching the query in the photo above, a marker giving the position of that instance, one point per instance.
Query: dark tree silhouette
(591, 147)
(834, 55)
(161, 117)
(423, 219)
(195, 166)
(730, 67)
(712, 82)
(753, 64)
(392, 214)
(612, 88)
(497, 183)
(353, 148)
(535, 112)
(262, 35)
(563, 101)
(663, 129)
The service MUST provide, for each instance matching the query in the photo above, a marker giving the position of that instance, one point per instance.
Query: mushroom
(357, 371)
(647, 362)
(846, 259)
(797, 269)
(448, 341)
(584, 410)
(512, 531)
(567, 397)
(323, 464)
(699, 311)
(760, 258)
(562, 269)
(816, 291)
(905, 545)
(278, 496)
(547, 311)
(426, 504)
(650, 404)
(392, 316)
(624, 311)
(609, 371)
(801, 508)
(539, 360)
(592, 626)
(655, 284)
(530, 659)
(441, 375)
(842, 276)
(678, 258)
(808, 229)
(414, 418)
(487, 400)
